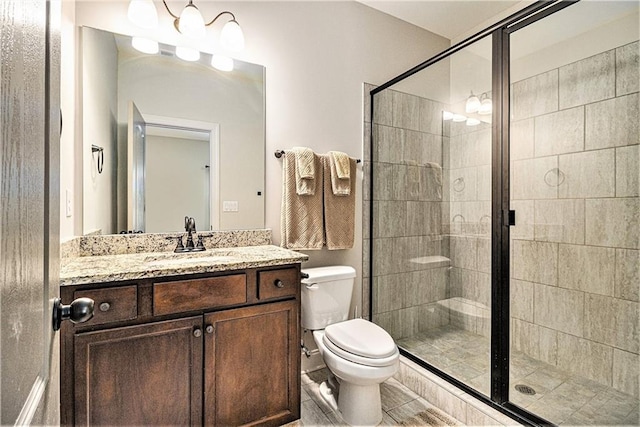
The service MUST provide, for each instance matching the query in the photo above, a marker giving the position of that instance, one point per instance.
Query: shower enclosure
(504, 216)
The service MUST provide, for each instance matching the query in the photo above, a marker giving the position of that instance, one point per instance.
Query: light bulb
(222, 63)
(145, 45)
(231, 36)
(187, 53)
(191, 23)
(473, 104)
(143, 13)
(472, 121)
(459, 118)
(447, 115)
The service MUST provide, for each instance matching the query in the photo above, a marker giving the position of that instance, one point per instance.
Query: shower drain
(525, 389)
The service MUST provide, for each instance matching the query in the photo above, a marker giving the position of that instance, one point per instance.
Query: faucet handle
(179, 246)
(200, 244)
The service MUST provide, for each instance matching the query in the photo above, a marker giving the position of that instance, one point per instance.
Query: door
(136, 134)
(252, 365)
(140, 375)
(29, 211)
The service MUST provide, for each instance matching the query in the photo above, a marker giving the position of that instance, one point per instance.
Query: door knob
(79, 311)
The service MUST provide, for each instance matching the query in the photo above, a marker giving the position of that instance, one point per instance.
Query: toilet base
(360, 404)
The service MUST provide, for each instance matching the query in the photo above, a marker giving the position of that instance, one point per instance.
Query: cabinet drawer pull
(105, 306)
(279, 283)
(209, 329)
(197, 333)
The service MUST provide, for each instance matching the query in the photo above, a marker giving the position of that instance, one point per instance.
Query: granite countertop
(112, 268)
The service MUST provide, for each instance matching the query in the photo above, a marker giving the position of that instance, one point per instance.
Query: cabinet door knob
(209, 329)
(197, 333)
(279, 283)
(105, 306)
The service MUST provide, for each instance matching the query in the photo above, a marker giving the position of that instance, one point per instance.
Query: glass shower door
(574, 186)
(431, 222)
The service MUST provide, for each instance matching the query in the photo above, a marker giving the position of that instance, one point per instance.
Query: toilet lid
(362, 338)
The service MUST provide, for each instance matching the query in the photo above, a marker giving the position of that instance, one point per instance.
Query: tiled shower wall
(410, 275)
(575, 248)
(467, 221)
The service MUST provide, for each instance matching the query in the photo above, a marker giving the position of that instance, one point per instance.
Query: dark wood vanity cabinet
(206, 350)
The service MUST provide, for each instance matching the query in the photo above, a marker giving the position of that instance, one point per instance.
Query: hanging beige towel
(305, 168)
(341, 160)
(301, 216)
(339, 211)
(337, 167)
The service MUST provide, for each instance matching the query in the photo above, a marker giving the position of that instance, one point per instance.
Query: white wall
(317, 55)
(100, 110)
(176, 183)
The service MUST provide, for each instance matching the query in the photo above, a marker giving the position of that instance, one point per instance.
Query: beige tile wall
(407, 225)
(576, 248)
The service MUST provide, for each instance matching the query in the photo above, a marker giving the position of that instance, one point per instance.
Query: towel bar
(279, 153)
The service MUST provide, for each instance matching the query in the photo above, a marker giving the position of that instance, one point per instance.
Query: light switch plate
(230, 206)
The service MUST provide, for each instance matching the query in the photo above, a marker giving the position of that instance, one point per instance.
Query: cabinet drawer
(277, 283)
(199, 294)
(112, 304)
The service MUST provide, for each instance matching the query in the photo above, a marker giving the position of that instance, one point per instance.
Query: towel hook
(100, 151)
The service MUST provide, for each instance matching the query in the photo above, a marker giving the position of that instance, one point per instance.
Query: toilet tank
(326, 295)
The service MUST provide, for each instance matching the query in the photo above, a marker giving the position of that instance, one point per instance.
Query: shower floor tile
(561, 397)
(400, 406)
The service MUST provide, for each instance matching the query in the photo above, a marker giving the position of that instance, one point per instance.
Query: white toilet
(358, 352)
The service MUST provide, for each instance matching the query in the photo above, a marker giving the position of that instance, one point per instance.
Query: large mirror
(164, 138)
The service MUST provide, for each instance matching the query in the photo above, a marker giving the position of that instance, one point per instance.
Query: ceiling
(448, 18)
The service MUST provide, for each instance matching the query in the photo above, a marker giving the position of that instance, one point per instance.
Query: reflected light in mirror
(459, 118)
(222, 63)
(473, 104)
(187, 53)
(472, 121)
(145, 45)
(447, 115)
(486, 106)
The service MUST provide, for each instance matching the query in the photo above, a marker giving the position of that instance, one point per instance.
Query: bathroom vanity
(206, 338)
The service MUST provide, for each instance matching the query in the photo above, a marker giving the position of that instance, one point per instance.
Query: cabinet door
(140, 375)
(252, 365)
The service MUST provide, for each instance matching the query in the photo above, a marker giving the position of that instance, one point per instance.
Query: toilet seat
(361, 342)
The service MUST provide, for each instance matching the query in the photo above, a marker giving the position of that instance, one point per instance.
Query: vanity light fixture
(143, 13)
(486, 106)
(459, 118)
(189, 23)
(447, 115)
(473, 104)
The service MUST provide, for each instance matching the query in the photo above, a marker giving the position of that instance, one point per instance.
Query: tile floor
(399, 404)
(561, 397)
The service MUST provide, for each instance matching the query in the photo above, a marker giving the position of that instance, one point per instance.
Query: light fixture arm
(169, 10)
(233, 17)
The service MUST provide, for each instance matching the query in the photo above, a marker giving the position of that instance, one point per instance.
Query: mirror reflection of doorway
(173, 173)
(176, 179)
